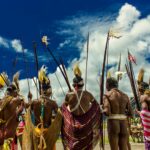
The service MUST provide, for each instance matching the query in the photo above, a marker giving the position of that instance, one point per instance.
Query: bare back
(10, 108)
(49, 107)
(9, 113)
(85, 102)
(145, 99)
(117, 101)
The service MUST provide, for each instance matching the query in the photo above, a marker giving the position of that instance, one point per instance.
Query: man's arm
(129, 108)
(106, 106)
(55, 107)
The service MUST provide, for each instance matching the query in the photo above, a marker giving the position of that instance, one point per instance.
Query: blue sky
(28, 20)
(67, 23)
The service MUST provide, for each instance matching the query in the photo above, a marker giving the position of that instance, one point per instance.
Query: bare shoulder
(88, 93)
(109, 93)
(144, 98)
(51, 103)
(16, 100)
(117, 93)
(124, 96)
(35, 101)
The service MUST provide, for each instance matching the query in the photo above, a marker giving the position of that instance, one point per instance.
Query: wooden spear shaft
(56, 76)
(65, 72)
(25, 62)
(119, 67)
(37, 64)
(50, 52)
(130, 74)
(134, 87)
(86, 60)
(102, 88)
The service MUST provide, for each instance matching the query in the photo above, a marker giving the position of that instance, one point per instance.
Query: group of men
(78, 119)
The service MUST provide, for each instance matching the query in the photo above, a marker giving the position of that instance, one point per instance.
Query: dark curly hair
(112, 82)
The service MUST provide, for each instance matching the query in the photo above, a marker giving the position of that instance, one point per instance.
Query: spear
(130, 73)
(65, 72)
(14, 63)
(36, 87)
(102, 88)
(86, 60)
(50, 52)
(56, 76)
(25, 62)
(119, 67)
(37, 64)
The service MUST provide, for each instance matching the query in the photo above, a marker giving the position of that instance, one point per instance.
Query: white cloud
(136, 39)
(16, 44)
(128, 14)
(4, 42)
(66, 42)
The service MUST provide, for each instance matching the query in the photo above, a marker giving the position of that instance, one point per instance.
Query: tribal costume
(32, 135)
(145, 116)
(81, 132)
(41, 131)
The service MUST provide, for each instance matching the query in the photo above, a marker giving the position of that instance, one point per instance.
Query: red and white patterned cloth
(81, 132)
(145, 116)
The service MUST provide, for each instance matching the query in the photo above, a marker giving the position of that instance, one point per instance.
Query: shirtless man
(41, 111)
(81, 117)
(144, 93)
(10, 108)
(117, 108)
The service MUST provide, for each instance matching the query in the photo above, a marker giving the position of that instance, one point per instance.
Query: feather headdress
(140, 75)
(16, 80)
(45, 40)
(3, 79)
(108, 74)
(42, 75)
(77, 81)
(77, 71)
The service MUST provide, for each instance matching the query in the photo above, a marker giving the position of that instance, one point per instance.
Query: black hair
(11, 88)
(77, 81)
(144, 85)
(112, 82)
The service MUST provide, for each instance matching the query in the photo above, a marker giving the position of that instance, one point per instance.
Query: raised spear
(86, 60)
(130, 73)
(119, 67)
(55, 74)
(44, 41)
(102, 88)
(37, 64)
(25, 62)
(65, 72)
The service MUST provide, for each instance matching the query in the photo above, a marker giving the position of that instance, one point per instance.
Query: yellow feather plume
(147, 92)
(45, 40)
(108, 74)
(141, 75)
(77, 70)
(16, 79)
(42, 75)
(3, 79)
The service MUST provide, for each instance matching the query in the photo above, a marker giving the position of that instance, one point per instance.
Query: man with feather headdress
(144, 93)
(10, 108)
(81, 117)
(117, 108)
(41, 130)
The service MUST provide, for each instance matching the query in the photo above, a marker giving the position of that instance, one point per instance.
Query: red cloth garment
(81, 132)
(145, 116)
